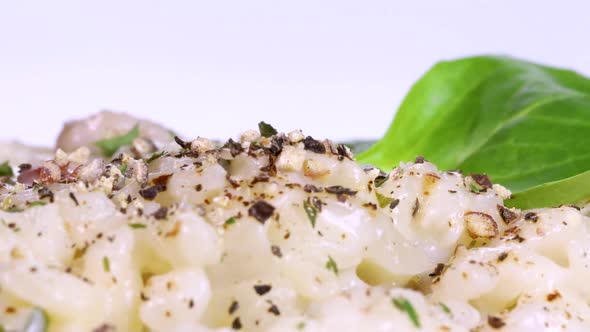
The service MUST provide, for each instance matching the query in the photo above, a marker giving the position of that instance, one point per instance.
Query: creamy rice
(285, 233)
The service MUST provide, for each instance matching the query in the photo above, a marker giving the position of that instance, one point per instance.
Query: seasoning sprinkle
(495, 322)
(266, 130)
(106, 265)
(402, 304)
(262, 289)
(261, 211)
(331, 265)
(311, 211)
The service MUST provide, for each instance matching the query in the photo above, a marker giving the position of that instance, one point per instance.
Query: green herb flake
(402, 304)
(5, 169)
(137, 225)
(474, 188)
(311, 211)
(383, 201)
(300, 326)
(230, 221)
(38, 321)
(445, 308)
(156, 155)
(266, 130)
(37, 203)
(123, 168)
(331, 265)
(14, 209)
(109, 146)
(106, 264)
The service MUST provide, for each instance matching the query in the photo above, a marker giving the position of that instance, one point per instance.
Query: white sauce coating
(282, 234)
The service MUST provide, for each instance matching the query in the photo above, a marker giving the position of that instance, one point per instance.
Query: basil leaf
(37, 322)
(5, 169)
(266, 130)
(523, 124)
(109, 146)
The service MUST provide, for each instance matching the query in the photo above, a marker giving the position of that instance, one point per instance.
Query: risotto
(273, 232)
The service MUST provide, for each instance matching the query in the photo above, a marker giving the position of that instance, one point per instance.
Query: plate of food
(469, 214)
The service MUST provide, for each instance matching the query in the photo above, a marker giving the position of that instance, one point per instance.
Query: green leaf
(402, 304)
(109, 146)
(311, 211)
(230, 221)
(331, 265)
(523, 124)
(37, 322)
(266, 130)
(137, 225)
(37, 203)
(5, 169)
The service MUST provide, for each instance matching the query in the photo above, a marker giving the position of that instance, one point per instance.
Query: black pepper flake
(495, 322)
(73, 197)
(340, 191)
(274, 310)
(236, 324)
(233, 307)
(482, 180)
(394, 203)
(507, 215)
(531, 216)
(44, 192)
(161, 213)
(262, 289)
(416, 207)
(419, 160)
(314, 146)
(310, 188)
(381, 179)
(260, 178)
(276, 250)
(183, 144)
(502, 256)
(276, 146)
(199, 187)
(151, 192)
(343, 151)
(235, 148)
(438, 270)
(261, 211)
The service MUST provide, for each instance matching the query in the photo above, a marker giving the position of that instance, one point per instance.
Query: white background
(215, 68)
